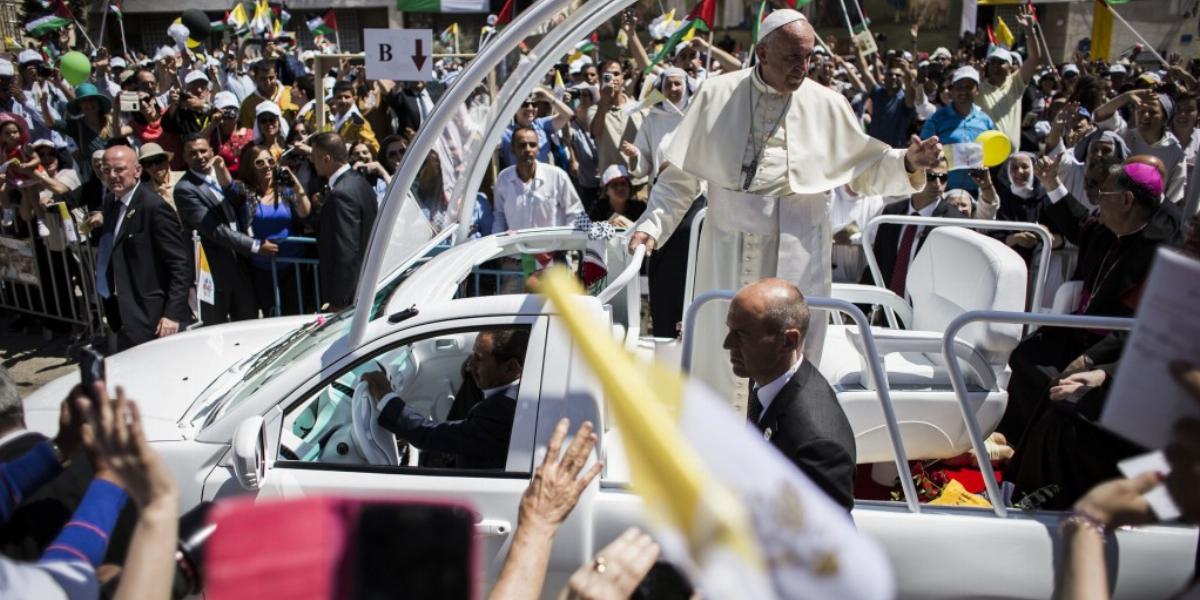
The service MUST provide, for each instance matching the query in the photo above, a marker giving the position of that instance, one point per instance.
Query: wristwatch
(62, 459)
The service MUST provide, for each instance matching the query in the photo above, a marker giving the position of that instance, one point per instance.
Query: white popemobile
(272, 407)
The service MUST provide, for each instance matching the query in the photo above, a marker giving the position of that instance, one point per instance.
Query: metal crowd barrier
(50, 276)
(299, 263)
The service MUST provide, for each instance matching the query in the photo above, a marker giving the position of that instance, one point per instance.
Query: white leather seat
(957, 270)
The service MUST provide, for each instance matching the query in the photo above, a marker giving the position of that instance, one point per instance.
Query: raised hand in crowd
(1046, 171)
(553, 492)
(118, 448)
(617, 570)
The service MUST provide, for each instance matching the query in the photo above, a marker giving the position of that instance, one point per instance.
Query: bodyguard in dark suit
(896, 245)
(224, 230)
(480, 441)
(791, 403)
(348, 214)
(411, 103)
(144, 264)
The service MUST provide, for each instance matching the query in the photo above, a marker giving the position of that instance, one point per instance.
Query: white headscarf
(687, 86)
(1024, 191)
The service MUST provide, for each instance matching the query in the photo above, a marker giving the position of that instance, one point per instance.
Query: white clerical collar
(338, 173)
(489, 392)
(767, 393)
(761, 85)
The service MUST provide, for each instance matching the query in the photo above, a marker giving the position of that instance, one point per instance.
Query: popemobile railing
(47, 268)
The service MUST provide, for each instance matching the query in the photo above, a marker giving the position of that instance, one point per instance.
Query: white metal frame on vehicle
(960, 385)
(873, 362)
(553, 45)
(1040, 230)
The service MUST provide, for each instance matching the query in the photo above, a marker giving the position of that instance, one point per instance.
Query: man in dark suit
(790, 402)
(347, 216)
(411, 103)
(224, 228)
(143, 264)
(895, 246)
(480, 441)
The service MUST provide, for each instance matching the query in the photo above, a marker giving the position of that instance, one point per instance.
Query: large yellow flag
(1004, 35)
(1102, 29)
(723, 502)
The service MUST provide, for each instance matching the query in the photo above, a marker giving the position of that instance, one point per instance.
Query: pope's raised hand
(923, 154)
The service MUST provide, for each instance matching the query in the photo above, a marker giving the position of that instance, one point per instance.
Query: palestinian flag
(700, 19)
(504, 17)
(442, 6)
(45, 25)
(324, 25)
(801, 4)
(115, 7)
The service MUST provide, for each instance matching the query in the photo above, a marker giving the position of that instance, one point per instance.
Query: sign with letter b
(399, 54)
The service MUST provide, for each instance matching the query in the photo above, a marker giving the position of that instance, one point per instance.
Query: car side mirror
(249, 449)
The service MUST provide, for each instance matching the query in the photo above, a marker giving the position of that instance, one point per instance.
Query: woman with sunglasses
(270, 130)
(156, 170)
(276, 202)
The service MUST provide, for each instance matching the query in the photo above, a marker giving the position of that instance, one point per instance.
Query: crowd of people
(223, 147)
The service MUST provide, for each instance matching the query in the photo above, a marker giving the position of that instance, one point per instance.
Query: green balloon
(75, 67)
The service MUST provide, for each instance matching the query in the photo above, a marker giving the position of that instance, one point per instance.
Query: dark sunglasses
(267, 120)
(154, 161)
(396, 152)
(931, 176)
(529, 105)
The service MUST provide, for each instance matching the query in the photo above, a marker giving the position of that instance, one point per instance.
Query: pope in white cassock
(771, 144)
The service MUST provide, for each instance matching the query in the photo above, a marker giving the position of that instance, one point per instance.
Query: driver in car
(480, 441)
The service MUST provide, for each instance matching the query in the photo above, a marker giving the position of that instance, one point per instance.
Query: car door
(317, 453)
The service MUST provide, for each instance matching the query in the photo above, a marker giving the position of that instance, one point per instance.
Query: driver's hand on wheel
(641, 238)
(377, 384)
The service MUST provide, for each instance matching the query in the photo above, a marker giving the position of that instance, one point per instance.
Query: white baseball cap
(6, 68)
(225, 100)
(1001, 54)
(1070, 69)
(941, 52)
(1117, 69)
(29, 56)
(116, 62)
(967, 72)
(193, 76)
(613, 172)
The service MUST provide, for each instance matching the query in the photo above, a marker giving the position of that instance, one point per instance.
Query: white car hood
(167, 375)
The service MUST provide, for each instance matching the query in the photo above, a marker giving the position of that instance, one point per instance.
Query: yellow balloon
(996, 147)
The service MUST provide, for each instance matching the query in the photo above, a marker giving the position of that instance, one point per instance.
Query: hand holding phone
(91, 370)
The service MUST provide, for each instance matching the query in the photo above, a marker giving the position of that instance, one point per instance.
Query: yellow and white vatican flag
(206, 290)
(725, 506)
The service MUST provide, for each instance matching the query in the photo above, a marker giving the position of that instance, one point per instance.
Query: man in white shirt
(791, 403)
(531, 193)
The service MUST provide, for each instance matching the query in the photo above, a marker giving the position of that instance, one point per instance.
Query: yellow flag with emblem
(723, 502)
(206, 290)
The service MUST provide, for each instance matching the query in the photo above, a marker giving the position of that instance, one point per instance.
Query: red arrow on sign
(418, 57)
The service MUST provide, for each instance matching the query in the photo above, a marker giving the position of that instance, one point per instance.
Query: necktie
(903, 256)
(755, 409)
(113, 212)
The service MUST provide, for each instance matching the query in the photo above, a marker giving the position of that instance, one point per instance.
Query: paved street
(31, 357)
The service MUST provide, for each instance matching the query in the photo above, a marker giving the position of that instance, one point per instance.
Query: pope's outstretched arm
(670, 198)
